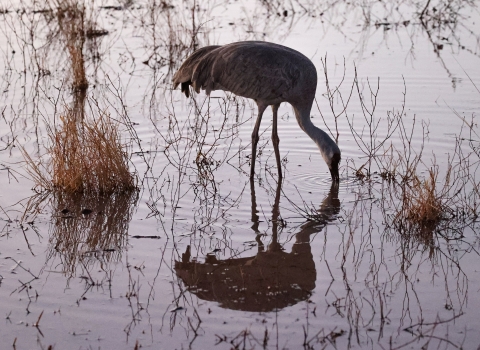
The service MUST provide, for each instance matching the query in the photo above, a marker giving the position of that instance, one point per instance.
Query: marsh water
(200, 256)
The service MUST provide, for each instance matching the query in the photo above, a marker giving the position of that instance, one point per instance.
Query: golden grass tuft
(424, 204)
(86, 156)
(424, 207)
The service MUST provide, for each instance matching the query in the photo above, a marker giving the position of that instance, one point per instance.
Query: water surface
(200, 257)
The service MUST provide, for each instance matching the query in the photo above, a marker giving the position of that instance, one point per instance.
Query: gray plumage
(268, 73)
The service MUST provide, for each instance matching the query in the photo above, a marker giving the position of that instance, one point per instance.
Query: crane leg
(274, 246)
(255, 217)
(276, 140)
(261, 109)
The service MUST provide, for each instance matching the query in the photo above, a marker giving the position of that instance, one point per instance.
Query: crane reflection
(270, 280)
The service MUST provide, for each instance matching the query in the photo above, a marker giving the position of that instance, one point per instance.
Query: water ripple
(314, 182)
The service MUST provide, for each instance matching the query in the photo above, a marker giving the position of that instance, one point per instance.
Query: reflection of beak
(334, 173)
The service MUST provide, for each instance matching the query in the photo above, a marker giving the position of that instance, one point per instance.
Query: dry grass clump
(424, 204)
(86, 156)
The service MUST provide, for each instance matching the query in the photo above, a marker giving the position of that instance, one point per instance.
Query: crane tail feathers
(186, 88)
(188, 73)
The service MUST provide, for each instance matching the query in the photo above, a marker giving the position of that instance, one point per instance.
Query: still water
(200, 256)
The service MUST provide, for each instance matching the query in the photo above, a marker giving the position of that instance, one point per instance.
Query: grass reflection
(88, 229)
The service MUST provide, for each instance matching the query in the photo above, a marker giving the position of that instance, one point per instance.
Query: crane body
(267, 73)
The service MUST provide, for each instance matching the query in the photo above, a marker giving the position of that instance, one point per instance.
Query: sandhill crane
(268, 73)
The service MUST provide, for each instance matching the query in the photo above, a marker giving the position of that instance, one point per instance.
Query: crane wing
(256, 70)
(261, 72)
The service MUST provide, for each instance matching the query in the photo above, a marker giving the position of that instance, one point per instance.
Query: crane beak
(335, 174)
(334, 168)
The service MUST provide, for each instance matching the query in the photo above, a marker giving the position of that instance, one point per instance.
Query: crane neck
(327, 146)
